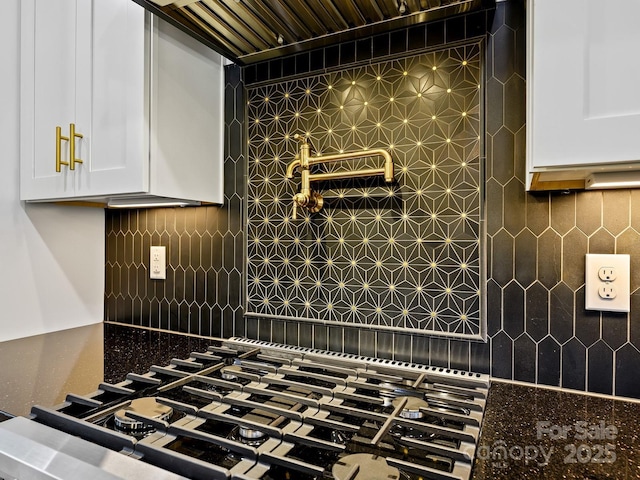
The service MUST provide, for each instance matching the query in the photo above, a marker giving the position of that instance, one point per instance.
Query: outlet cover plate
(158, 263)
(620, 263)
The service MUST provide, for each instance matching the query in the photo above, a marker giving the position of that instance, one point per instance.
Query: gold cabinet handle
(72, 146)
(59, 139)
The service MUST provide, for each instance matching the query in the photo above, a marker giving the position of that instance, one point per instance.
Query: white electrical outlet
(158, 263)
(607, 279)
(606, 291)
(607, 274)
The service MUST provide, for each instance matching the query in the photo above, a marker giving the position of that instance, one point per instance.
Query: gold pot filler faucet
(311, 200)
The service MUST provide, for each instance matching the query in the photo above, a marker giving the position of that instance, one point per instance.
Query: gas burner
(146, 406)
(248, 436)
(364, 466)
(230, 373)
(250, 433)
(411, 408)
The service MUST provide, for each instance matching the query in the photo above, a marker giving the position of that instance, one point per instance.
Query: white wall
(51, 257)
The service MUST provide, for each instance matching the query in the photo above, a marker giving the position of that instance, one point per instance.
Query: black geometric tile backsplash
(538, 329)
(404, 257)
(202, 294)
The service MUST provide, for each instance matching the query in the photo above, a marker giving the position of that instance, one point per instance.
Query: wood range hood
(250, 31)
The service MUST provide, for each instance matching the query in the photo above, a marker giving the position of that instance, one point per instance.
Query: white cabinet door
(119, 145)
(55, 91)
(584, 77)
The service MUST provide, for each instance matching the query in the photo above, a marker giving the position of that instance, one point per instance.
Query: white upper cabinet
(583, 90)
(145, 99)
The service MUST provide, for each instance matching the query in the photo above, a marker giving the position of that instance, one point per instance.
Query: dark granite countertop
(130, 349)
(582, 436)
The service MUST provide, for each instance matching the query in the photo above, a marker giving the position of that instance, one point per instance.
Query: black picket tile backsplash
(538, 330)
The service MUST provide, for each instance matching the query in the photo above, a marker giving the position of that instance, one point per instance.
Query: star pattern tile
(405, 256)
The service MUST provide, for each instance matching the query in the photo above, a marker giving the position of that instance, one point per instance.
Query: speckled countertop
(130, 349)
(527, 433)
(582, 436)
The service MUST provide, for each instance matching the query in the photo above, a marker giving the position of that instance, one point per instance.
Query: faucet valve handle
(304, 140)
(299, 200)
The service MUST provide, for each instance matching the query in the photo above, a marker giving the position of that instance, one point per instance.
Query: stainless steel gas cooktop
(246, 409)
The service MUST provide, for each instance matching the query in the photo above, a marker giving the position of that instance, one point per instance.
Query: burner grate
(248, 409)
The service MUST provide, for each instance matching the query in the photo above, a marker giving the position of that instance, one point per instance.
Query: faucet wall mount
(312, 200)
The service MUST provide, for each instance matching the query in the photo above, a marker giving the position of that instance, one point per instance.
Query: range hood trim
(364, 31)
(216, 41)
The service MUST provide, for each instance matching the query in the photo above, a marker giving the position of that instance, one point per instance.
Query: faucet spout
(311, 200)
(337, 157)
(292, 166)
